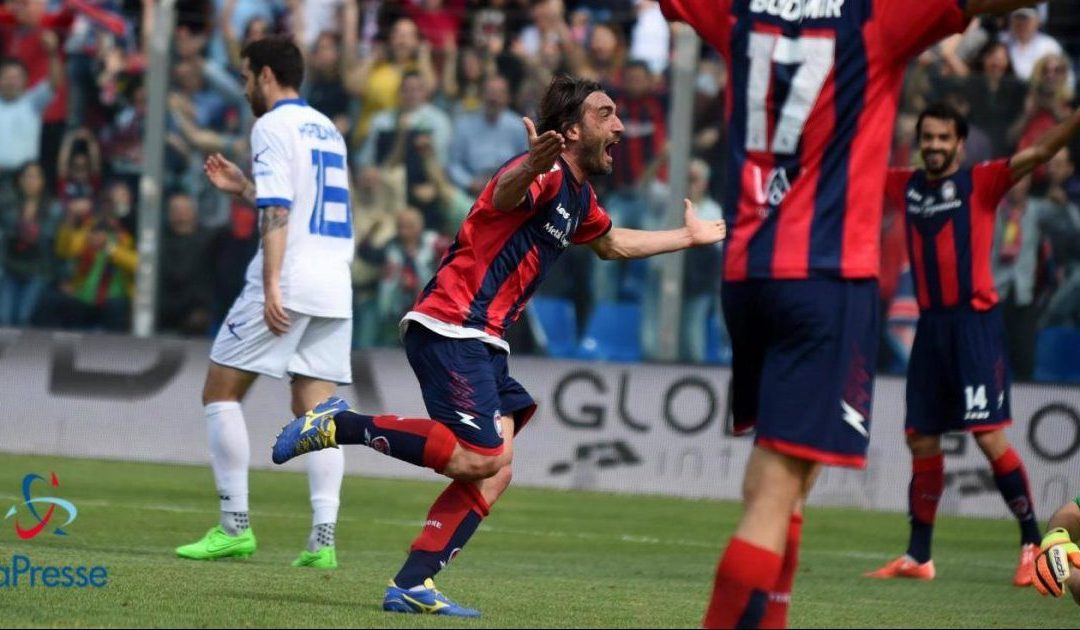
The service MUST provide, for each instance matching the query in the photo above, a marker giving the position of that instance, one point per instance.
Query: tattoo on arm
(273, 218)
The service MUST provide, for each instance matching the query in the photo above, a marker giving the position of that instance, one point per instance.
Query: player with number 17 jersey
(813, 95)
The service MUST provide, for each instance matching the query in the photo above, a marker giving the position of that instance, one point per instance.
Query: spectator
(484, 140)
(995, 95)
(1027, 45)
(79, 165)
(1019, 253)
(323, 87)
(394, 133)
(377, 80)
(122, 139)
(606, 56)
(28, 226)
(437, 25)
(233, 247)
(96, 292)
(643, 110)
(650, 38)
(32, 35)
(1060, 219)
(187, 274)
(376, 196)
(1049, 101)
(21, 109)
(410, 261)
(463, 79)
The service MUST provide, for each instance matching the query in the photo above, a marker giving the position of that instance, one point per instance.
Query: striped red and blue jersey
(813, 93)
(950, 232)
(499, 258)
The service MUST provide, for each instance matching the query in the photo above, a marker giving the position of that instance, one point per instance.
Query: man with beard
(530, 212)
(294, 316)
(958, 377)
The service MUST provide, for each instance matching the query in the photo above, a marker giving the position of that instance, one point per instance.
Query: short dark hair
(12, 62)
(943, 111)
(561, 106)
(281, 55)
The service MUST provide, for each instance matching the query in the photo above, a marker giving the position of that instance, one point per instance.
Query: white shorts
(316, 347)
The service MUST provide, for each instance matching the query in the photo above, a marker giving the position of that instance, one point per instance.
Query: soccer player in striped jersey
(958, 376)
(813, 92)
(531, 211)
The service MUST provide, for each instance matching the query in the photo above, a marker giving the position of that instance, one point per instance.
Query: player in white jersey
(294, 316)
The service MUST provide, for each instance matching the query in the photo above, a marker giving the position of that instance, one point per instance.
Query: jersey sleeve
(711, 19)
(991, 181)
(540, 191)
(270, 164)
(904, 33)
(895, 183)
(596, 223)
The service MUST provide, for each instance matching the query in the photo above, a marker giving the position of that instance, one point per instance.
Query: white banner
(609, 427)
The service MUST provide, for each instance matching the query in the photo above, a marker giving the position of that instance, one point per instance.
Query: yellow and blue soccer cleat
(426, 601)
(219, 544)
(312, 431)
(324, 558)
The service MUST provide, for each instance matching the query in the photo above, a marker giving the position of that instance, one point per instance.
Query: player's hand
(277, 320)
(224, 175)
(1051, 569)
(543, 149)
(702, 232)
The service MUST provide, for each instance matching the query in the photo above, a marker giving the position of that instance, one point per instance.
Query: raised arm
(1047, 147)
(543, 151)
(624, 243)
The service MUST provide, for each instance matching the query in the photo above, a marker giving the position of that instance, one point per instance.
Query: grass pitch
(542, 559)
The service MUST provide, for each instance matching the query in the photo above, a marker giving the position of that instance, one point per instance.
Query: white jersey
(298, 160)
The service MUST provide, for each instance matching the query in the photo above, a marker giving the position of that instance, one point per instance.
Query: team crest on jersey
(948, 191)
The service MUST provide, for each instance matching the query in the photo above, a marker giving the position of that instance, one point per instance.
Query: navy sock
(450, 523)
(1012, 482)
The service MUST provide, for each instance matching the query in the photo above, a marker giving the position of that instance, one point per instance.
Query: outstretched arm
(543, 151)
(1047, 147)
(624, 243)
(228, 178)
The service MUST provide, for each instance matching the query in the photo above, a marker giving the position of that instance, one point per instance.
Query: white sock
(325, 470)
(229, 454)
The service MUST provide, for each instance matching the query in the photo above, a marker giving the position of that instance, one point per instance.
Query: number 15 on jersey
(332, 214)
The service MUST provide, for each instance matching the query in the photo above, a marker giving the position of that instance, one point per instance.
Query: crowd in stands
(429, 95)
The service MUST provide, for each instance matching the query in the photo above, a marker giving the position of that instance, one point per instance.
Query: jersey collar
(289, 101)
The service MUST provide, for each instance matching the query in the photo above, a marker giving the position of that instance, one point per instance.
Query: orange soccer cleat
(1028, 553)
(904, 567)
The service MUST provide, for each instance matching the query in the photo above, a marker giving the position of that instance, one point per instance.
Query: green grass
(543, 559)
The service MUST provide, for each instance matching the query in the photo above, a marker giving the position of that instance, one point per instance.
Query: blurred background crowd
(429, 94)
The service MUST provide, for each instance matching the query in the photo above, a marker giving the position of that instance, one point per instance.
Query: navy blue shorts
(958, 376)
(803, 364)
(467, 386)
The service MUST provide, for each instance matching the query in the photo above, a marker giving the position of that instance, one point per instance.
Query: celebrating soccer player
(534, 207)
(812, 100)
(294, 316)
(958, 376)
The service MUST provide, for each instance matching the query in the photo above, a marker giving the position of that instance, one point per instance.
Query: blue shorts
(958, 376)
(803, 358)
(466, 385)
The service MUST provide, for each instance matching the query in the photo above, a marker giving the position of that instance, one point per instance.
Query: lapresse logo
(31, 519)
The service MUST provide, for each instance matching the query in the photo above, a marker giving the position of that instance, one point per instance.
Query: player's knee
(922, 445)
(501, 480)
(472, 466)
(992, 443)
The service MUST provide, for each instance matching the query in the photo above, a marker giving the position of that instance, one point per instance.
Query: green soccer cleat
(324, 558)
(218, 544)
